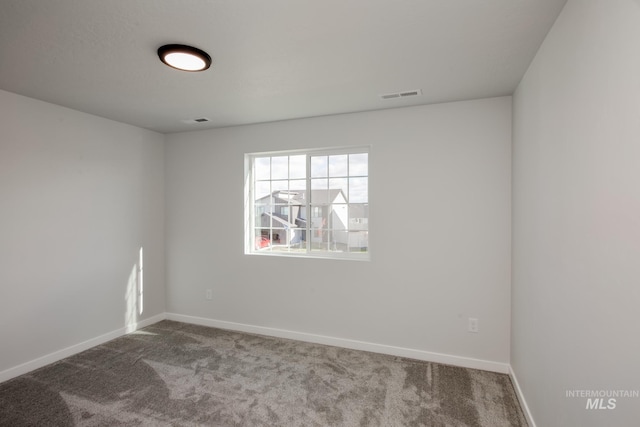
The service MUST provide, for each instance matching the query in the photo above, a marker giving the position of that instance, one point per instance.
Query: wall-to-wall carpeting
(177, 374)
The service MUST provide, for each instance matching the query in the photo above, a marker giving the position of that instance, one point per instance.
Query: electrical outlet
(473, 325)
(208, 294)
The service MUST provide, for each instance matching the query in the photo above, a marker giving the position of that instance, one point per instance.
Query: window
(308, 203)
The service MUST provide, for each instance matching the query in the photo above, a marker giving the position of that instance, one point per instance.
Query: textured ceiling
(273, 60)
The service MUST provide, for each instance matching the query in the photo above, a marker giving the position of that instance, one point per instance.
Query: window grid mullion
(340, 224)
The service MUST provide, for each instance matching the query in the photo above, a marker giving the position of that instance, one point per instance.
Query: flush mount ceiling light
(185, 58)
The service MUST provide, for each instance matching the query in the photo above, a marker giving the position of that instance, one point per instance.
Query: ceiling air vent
(198, 120)
(405, 94)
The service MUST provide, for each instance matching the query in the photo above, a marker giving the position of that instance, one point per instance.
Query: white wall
(79, 197)
(447, 165)
(576, 216)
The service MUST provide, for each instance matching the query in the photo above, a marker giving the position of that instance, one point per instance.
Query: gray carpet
(177, 374)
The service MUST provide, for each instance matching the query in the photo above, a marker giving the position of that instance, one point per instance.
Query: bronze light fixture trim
(184, 58)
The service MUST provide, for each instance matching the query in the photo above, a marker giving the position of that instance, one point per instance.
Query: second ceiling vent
(404, 94)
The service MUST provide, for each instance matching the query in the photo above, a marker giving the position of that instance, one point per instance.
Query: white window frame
(250, 209)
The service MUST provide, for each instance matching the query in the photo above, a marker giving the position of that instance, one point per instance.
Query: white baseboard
(428, 356)
(523, 402)
(465, 362)
(76, 348)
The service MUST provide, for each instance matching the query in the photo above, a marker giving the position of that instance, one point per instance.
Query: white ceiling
(273, 59)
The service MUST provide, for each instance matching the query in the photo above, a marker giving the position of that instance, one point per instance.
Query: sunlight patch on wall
(134, 295)
(140, 282)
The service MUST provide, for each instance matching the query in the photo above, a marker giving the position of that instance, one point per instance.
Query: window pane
(319, 193)
(320, 197)
(339, 184)
(299, 185)
(339, 219)
(338, 165)
(280, 167)
(278, 236)
(358, 190)
(319, 166)
(359, 164)
(319, 184)
(319, 216)
(262, 167)
(339, 240)
(358, 216)
(262, 220)
(279, 186)
(298, 167)
(262, 190)
(359, 241)
(262, 239)
(282, 212)
(319, 239)
(320, 234)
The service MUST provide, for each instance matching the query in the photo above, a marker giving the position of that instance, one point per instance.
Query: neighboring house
(335, 224)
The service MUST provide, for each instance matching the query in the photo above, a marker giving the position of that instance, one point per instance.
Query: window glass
(309, 203)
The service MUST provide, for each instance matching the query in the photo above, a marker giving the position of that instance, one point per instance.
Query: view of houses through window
(314, 203)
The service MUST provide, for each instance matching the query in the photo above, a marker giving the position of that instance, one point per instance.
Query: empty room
(320, 213)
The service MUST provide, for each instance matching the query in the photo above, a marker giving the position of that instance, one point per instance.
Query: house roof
(297, 197)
